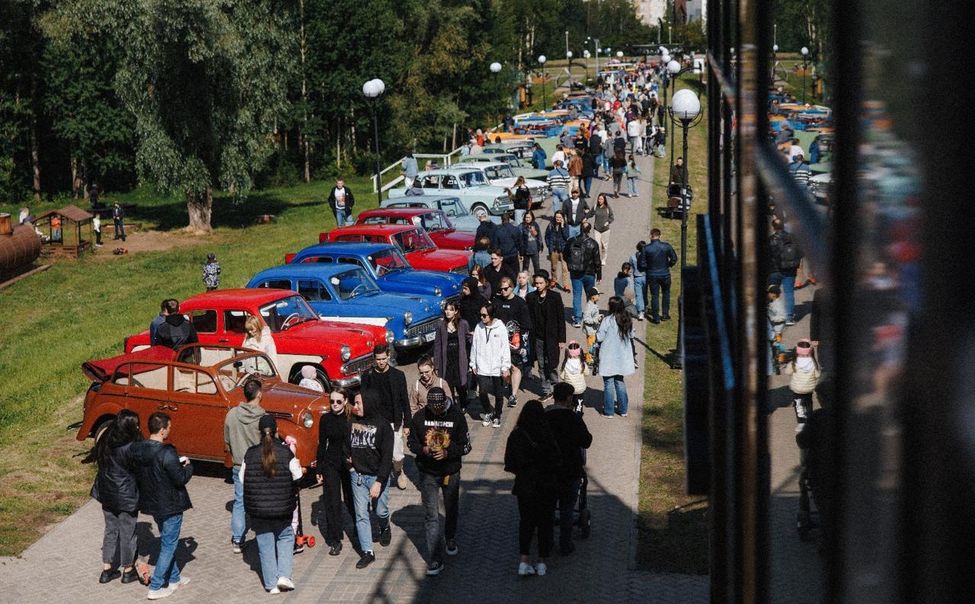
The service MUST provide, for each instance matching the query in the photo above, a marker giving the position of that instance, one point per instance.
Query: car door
(205, 322)
(234, 332)
(198, 408)
(144, 388)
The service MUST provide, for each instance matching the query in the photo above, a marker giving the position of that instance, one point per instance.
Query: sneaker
(183, 582)
(162, 592)
(385, 536)
(665, 318)
(607, 415)
(285, 584)
(497, 422)
(577, 324)
(237, 546)
(366, 559)
(109, 575)
(512, 401)
(402, 481)
(541, 569)
(525, 569)
(274, 590)
(623, 414)
(434, 569)
(451, 547)
(790, 322)
(336, 549)
(299, 547)
(639, 317)
(485, 419)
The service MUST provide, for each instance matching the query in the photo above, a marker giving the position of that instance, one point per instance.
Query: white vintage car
(469, 185)
(502, 175)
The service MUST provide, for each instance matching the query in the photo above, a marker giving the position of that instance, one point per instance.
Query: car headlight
(306, 419)
(437, 291)
(443, 302)
(408, 317)
(346, 352)
(389, 336)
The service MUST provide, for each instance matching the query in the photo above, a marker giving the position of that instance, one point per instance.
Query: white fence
(442, 159)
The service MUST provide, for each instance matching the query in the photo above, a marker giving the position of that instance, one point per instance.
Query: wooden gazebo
(71, 244)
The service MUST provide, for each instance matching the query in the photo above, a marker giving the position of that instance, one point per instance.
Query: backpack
(788, 255)
(575, 254)
(641, 261)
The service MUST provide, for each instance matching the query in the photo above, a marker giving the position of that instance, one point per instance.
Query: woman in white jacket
(490, 360)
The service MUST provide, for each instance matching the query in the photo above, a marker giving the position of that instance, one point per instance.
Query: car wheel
(477, 207)
(102, 427)
(320, 375)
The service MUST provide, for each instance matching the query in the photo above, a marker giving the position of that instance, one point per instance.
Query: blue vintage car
(387, 265)
(347, 293)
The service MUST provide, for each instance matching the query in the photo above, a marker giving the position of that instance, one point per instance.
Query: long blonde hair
(252, 323)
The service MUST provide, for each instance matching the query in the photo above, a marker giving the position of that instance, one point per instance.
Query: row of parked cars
(384, 279)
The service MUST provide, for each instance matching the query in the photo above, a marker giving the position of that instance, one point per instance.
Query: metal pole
(673, 131)
(375, 133)
(683, 194)
(596, 40)
(803, 79)
(544, 98)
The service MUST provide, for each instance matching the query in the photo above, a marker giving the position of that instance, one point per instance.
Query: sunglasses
(504, 289)
(337, 401)
(484, 314)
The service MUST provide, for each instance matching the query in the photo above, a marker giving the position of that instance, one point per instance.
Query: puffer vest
(265, 497)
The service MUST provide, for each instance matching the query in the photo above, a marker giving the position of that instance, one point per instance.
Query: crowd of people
(509, 321)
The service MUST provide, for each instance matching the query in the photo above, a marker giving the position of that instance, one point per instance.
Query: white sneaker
(183, 582)
(541, 569)
(525, 569)
(274, 591)
(285, 584)
(162, 592)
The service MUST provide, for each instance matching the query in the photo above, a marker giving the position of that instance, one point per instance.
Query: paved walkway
(64, 564)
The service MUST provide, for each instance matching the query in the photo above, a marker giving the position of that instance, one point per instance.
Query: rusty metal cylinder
(18, 249)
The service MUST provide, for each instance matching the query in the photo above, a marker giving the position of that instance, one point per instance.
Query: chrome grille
(421, 328)
(358, 365)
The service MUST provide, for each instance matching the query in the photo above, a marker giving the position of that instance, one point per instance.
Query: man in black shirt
(394, 404)
(548, 330)
(176, 330)
(497, 270)
(512, 309)
(573, 436)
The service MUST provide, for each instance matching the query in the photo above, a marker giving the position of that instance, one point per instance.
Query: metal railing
(444, 159)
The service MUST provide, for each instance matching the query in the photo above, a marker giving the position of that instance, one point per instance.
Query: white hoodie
(490, 350)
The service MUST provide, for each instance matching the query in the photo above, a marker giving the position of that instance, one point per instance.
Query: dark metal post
(683, 194)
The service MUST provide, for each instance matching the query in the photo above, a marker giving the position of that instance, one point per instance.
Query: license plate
(428, 337)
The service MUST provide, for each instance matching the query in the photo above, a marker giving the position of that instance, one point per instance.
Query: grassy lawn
(82, 309)
(672, 526)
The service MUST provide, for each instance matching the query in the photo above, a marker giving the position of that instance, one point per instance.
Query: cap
(592, 291)
(803, 348)
(268, 421)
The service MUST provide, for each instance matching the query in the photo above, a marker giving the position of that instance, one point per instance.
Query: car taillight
(322, 237)
(289, 257)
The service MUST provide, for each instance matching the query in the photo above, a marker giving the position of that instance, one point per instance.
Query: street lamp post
(674, 71)
(541, 61)
(686, 109)
(775, 50)
(373, 89)
(805, 53)
(619, 54)
(586, 55)
(496, 69)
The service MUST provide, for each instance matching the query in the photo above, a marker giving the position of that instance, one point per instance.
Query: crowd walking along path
(64, 564)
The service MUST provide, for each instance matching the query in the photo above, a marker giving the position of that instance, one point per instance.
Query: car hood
(448, 284)
(452, 257)
(459, 237)
(510, 182)
(323, 330)
(283, 398)
(393, 305)
(102, 369)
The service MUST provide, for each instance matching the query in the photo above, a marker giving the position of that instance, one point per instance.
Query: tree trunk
(200, 208)
(75, 185)
(35, 159)
(338, 143)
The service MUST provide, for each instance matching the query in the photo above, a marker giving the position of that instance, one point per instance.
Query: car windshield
(388, 261)
(473, 179)
(234, 372)
(286, 313)
(413, 241)
(499, 172)
(353, 284)
(434, 221)
(453, 208)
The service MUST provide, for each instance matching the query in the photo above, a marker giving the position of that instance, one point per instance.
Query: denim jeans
(613, 385)
(560, 196)
(659, 287)
(166, 571)
(519, 216)
(238, 518)
(275, 547)
(788, 284)
(600, 162)
(631, 184)
(573, 230)
(361, 483)
(580, 282)
(430, 488)
(640, 293)
(587, 185)
(339, 217)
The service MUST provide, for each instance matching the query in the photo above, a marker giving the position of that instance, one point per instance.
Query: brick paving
(64, 564)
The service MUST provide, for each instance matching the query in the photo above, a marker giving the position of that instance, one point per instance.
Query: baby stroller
(809, 517)
(678, 199)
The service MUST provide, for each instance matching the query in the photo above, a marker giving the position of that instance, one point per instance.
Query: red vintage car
(338, 351)
(434, 222)
(197, 385)
(412, 241)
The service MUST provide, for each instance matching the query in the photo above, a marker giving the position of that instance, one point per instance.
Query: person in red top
(55, 228)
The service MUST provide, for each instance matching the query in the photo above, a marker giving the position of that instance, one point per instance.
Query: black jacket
(582, 212)
(448, 431)
(513, 309)
(535, 464)
(507, 238)
(175, 331)
(572, 435)
(394, 406)
(269, 497)
(494, 276)
(548, 323)
(115, 486)
(332, 430)
(485, 229)
(161, 478)
(589, 164)
(470, 306)
(658, 257)
(370, 442)
(349, 200)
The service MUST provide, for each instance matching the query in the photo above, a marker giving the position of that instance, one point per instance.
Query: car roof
(304, 268)
(383, 229)
(478, 165)
(404, 212)
(351, 248)
(234, 297)
(421, 198)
